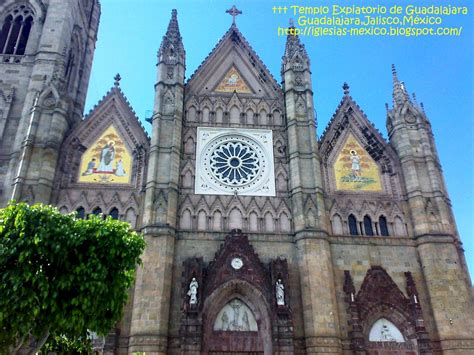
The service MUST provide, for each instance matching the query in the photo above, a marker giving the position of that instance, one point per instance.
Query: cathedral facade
(261, 237)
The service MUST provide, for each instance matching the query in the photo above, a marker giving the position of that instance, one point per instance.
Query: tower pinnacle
(172, 47)
(400, 95)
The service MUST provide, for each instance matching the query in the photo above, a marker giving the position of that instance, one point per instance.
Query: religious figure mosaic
(233, 81)
(355, 169)
(107, 160)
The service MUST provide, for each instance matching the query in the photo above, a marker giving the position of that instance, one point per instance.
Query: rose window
(231, 161)
(234, 163)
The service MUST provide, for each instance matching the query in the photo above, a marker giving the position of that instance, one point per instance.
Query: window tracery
(16, 30)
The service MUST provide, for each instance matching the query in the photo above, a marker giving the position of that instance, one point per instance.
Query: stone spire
(171, 49)
(293, 44)
(295, 57)
(400, 94)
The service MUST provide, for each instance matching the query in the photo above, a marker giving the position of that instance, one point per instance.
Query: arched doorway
(236, 321)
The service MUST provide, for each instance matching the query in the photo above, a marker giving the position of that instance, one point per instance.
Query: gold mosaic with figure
(107, 160)
(355, 170)
(233, 81)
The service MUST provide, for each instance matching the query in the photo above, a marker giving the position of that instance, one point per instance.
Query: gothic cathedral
(261, 237)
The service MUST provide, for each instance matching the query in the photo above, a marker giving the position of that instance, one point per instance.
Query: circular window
(234, 162)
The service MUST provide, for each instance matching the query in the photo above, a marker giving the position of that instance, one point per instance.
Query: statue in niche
(280, 293)
(192, 292)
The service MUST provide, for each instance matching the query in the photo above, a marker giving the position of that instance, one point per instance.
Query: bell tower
(439, 248)
(308, 205)
(46, 52)
(154, 279)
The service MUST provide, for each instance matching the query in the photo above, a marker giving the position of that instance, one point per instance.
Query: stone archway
(236, 274)
(379, 298)
(241, 338)
(397, 336)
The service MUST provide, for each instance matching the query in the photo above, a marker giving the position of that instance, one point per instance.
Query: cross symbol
(233, 12)
(117, 79)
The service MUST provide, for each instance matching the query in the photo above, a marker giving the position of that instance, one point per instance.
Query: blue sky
(439, 69)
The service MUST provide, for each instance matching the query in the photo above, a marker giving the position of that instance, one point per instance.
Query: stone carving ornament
(236, 316)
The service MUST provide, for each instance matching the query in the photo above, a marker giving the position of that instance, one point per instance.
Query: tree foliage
(61, 275)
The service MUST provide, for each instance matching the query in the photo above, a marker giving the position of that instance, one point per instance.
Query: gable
(109, 147)
(356, 158)
(233, 58)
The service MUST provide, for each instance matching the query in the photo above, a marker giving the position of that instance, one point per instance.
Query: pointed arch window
(114, 213)
(97, 211)
(368, 226)
(15, 30)
(352, 221)
(383, 226)
(81, 213)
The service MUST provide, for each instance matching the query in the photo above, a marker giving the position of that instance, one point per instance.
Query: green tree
(60, 275)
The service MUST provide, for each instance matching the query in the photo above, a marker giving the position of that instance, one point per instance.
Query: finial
(174, 13)
(345, 87)
(117, 79)
(233, 11)
(394, 70)
(386, 107)
(292, 24)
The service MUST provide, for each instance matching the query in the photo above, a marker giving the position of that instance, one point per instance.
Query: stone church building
(261, 237)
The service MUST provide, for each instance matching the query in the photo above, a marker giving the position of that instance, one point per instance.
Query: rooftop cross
(233, 11)
(117, 79)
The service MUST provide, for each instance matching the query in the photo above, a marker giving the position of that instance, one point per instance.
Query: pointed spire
(172, 49)
(400, 94)
(293, 44)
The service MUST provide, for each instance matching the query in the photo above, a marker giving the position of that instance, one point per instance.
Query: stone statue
(385, 333)
(280, 293)
(192, 293)
(225, 321)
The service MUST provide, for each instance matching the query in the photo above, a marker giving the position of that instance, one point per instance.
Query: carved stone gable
(380, 299)
(235, 277)
(225, 265)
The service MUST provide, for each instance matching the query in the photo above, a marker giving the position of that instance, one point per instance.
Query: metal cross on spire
(233, 11)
